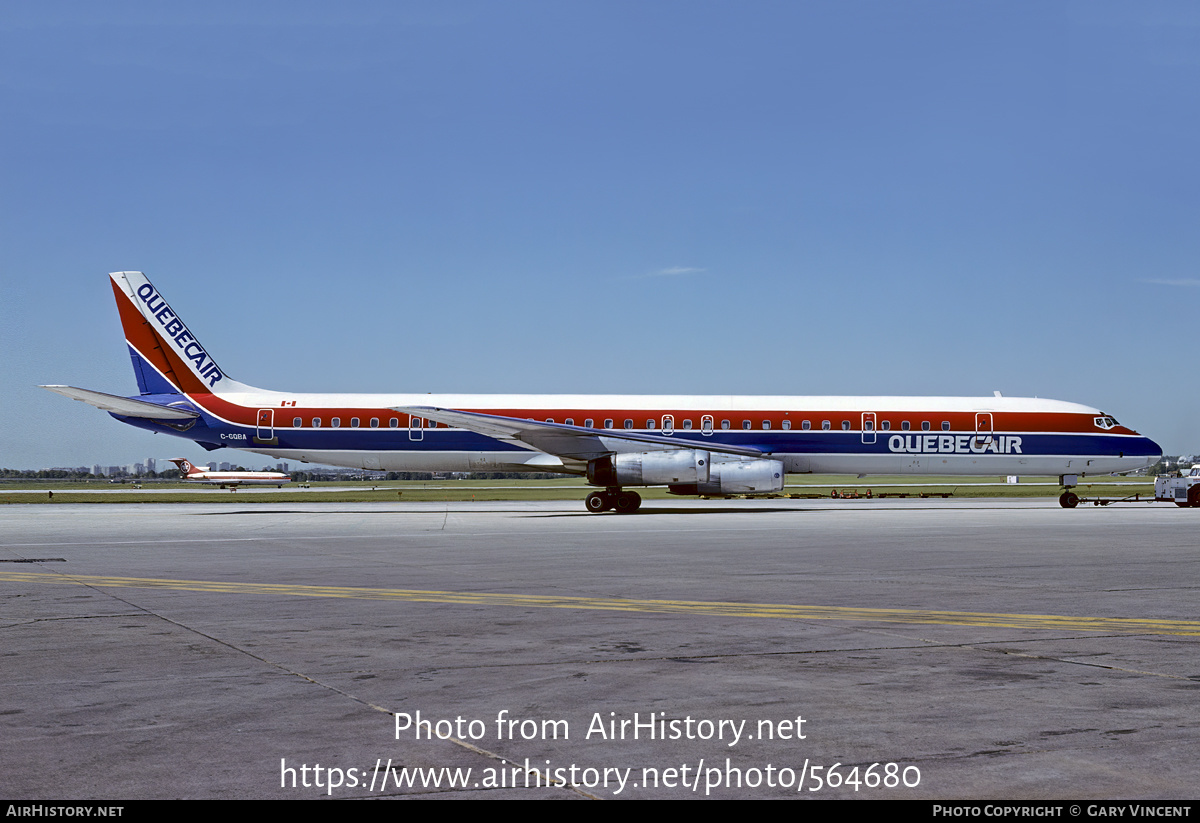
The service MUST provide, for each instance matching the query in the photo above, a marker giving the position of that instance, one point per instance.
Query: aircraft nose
(1153, 451)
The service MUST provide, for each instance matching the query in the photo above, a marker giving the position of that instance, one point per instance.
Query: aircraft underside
(507, 461)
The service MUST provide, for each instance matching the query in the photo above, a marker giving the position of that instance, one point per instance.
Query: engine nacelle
(655, 468)
(737, 476)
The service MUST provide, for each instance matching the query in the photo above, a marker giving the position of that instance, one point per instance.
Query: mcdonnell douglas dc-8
(692, 444)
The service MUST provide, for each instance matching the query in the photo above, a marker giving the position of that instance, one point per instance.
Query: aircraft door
(415, 430)
(868, 428)
(983, 429)
(265, 432)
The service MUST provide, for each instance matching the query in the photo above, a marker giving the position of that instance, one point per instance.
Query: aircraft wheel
(1068, 500)
(628, 502)
(597, 502)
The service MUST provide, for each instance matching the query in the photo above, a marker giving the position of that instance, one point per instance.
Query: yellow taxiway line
(779, 611)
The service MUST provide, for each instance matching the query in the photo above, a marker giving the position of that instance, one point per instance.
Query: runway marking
(778, 611)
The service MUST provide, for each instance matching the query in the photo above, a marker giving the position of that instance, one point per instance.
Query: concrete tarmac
(954, 649)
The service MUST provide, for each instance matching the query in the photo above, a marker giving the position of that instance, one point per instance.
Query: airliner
(193, 473)
(692, 444)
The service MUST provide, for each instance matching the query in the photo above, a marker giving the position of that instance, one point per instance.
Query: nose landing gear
(1068, 499)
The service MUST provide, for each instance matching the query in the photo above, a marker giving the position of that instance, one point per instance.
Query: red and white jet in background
(196, 474)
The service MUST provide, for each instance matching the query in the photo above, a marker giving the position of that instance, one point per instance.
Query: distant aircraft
(194, 473)
(706, 445)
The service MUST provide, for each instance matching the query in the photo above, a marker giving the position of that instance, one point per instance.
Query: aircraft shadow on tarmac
(651, 510)
(644, 512)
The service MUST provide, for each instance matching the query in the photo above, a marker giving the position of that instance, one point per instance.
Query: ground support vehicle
(1182, 491)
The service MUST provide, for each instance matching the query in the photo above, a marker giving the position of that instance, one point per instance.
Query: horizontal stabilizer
(123, 405)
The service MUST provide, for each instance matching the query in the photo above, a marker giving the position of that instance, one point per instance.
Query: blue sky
(662, 197)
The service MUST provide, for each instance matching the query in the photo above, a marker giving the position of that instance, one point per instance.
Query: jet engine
(689, 471)
(737, 476)
(654, 468)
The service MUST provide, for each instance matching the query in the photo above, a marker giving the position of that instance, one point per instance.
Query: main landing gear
(622, 502)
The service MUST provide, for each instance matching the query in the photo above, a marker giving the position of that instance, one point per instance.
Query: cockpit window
(1106, 422)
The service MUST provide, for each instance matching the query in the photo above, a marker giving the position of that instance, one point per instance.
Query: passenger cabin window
(825, 426)
(905, 426)
(745, 424)
(608, 423)
(549, 419)
(925, 426)
(766, 424)
(945, 425)
(394, 423)
(628, 423)
(787, 424)
(297, 422)
(725, 424)
(316, 422)
(845, 425)
(570, 421)
(354, 422)
(886, 425)
(336, 422)
(706, 424)
(650, 423)
(374, 422)
(687, 424)
(868, 426)
(589, 423)
(806, 425)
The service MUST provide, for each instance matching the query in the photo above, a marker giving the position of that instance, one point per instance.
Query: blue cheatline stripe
(831, 443)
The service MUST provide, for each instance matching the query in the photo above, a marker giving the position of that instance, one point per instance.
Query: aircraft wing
(561, 440)
(123, 405)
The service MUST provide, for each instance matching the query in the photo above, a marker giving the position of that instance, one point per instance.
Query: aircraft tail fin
(185, 466)
(167, 357)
